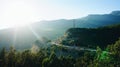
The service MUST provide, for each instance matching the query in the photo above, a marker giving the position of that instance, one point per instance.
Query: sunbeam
(32, 30)
(35, 34)
(14, 36)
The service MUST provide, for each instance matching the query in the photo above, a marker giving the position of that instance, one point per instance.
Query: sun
(18, 14)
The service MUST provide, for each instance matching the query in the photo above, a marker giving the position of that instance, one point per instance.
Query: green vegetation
(91, 37)
(110, 57)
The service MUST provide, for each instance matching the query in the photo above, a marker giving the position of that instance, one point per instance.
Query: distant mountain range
(24, 37)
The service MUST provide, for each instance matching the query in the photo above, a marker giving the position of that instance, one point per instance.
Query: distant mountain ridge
(117, 13)
(52, 30)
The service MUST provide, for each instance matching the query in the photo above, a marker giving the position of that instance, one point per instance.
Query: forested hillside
(91, 37)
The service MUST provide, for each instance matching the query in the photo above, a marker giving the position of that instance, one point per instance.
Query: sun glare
(18, 14)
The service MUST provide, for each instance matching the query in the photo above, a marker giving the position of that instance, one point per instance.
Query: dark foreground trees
(110, 57)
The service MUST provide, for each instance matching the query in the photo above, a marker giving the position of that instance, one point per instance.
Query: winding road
(74, 47)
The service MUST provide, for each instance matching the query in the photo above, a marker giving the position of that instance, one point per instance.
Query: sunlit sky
(21, 12)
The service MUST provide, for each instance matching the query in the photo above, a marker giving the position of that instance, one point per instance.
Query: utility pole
(73, 23)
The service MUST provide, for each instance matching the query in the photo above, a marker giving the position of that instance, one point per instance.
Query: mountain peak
(115, 13)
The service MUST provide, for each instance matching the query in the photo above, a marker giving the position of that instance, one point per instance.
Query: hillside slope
(91, 37)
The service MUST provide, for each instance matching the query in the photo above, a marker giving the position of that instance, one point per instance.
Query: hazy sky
(20, 12)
